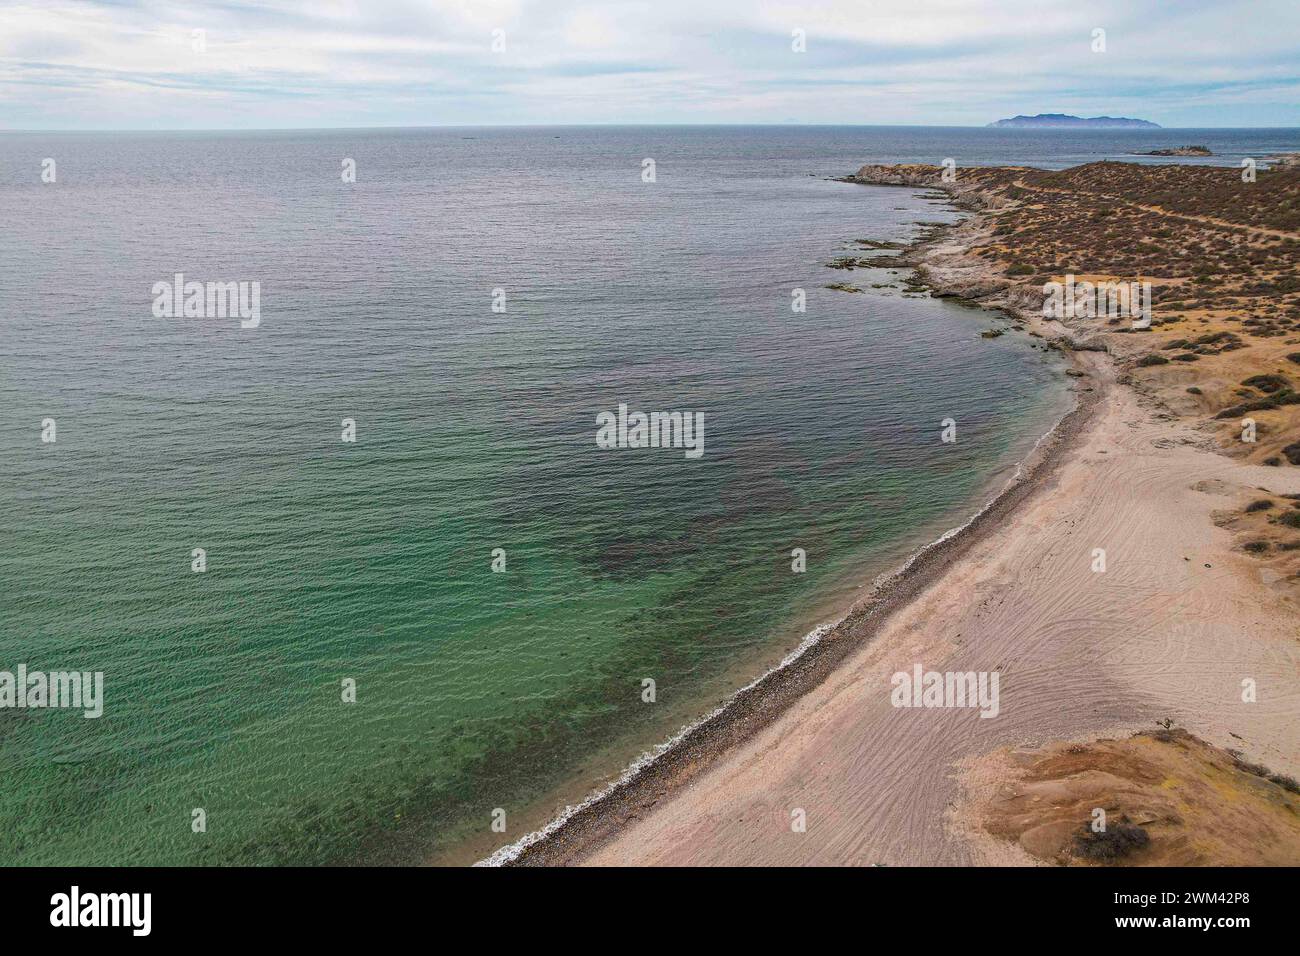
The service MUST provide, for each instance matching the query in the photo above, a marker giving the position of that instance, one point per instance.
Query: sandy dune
(1169, 630)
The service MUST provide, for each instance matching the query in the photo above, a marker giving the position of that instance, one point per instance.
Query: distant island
(1064, 121)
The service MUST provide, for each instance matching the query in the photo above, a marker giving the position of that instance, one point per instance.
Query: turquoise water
(371, 561)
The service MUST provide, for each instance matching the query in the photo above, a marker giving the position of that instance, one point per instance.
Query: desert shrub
(1213, 338)
(1117, 841)
(1259, 770)
(1267, 383)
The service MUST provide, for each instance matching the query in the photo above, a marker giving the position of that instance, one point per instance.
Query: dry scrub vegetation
(1223, 259)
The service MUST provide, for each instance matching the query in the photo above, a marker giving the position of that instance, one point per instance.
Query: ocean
(348, 678)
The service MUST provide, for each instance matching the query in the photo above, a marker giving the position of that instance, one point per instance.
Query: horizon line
(286, 129)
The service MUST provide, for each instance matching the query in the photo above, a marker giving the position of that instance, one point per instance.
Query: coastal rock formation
(1178, 151)
(914, 174)
(1221, 258)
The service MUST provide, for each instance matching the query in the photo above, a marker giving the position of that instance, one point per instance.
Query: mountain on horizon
(1065, 121)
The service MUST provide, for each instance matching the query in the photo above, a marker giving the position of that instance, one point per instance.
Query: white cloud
(77, 63)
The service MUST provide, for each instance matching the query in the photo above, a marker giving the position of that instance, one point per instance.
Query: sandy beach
(1164, 636)
(1168, 631)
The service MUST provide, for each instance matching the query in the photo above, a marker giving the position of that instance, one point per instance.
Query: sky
(245, 64)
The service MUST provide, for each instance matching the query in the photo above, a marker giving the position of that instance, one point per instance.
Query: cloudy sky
(139, 64)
